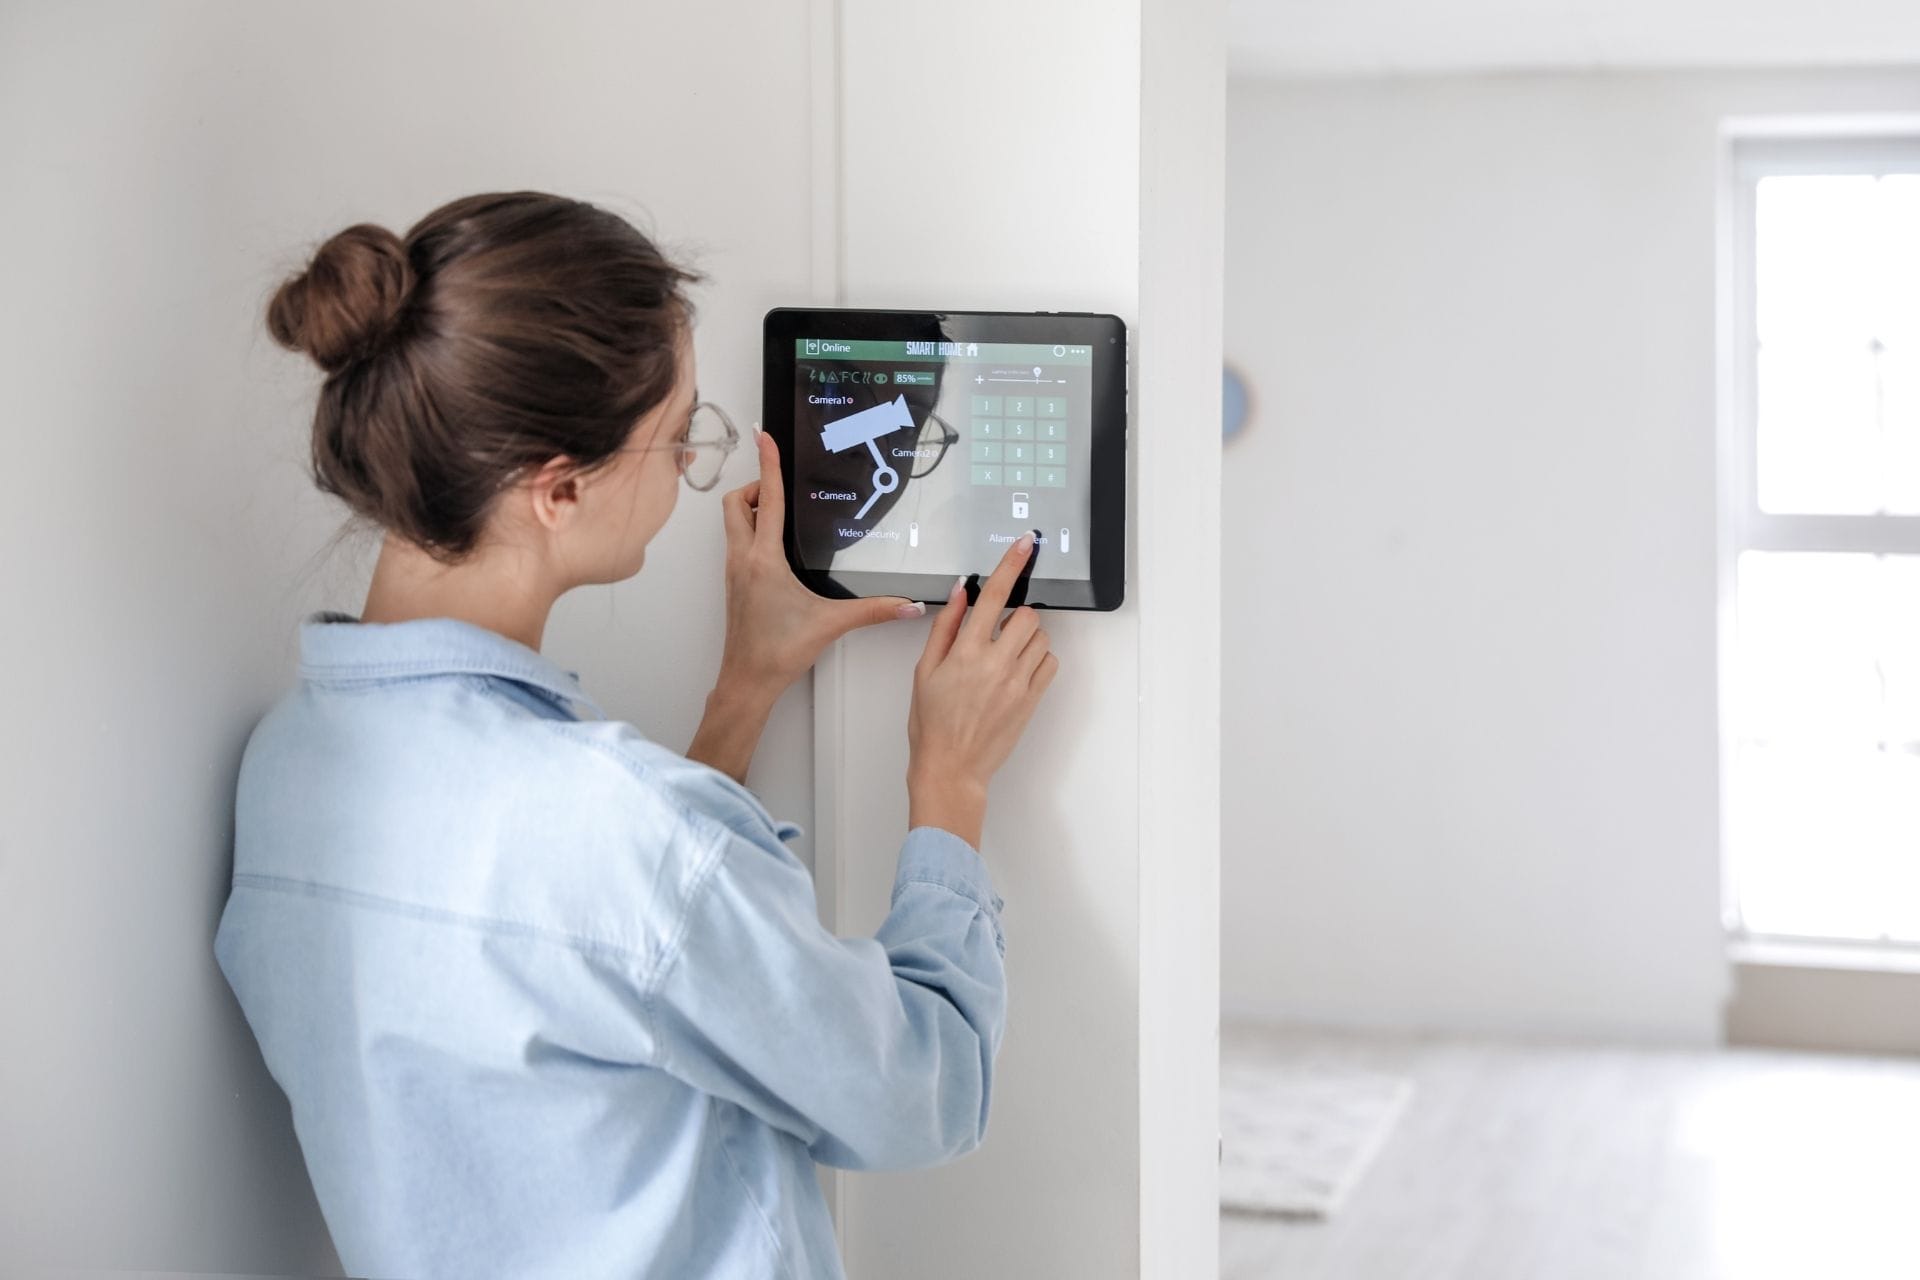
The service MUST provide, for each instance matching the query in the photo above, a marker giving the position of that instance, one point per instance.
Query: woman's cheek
(669, 489)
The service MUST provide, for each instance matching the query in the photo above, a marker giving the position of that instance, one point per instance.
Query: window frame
(1752, 151)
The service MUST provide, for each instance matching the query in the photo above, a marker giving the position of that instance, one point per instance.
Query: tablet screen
(931, 456)
(921, 445)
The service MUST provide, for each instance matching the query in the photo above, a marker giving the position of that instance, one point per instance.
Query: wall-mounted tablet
(917, 445)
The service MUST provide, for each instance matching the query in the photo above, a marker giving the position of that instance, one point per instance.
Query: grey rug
(1295, 1138)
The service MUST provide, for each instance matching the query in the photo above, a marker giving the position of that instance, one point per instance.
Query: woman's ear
(554, 492)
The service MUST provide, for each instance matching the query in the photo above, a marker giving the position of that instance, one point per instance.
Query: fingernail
(1026, 542)
(959, 587)
(912, 609)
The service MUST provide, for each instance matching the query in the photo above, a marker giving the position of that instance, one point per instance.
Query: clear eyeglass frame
(937, 434)
(703, 447)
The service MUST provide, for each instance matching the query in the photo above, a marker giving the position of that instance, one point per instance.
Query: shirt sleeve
(876, 1052)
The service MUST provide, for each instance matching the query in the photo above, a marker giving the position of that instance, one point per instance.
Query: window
(1821, 563)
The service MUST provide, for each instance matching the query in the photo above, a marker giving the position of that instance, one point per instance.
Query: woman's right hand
(973, 693)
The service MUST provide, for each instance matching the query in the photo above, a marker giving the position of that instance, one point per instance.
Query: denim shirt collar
(337, 647)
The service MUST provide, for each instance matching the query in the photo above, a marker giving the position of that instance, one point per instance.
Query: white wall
(1177, 406)
(985, 171)
(164, 166)
(1470, 775)
(167, 165)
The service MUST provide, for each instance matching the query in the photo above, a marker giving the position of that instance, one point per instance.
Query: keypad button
(1019, 428)
(986, 451)
(1052, 407)
(1019, 452)
(1050, 455)
(1051, 430)
(987, 406)
(986, 475)
(986, 428)
(1051, 478)
(1019, 406)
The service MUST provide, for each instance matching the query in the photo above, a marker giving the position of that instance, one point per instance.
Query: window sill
(1824, 996)
(1797, 953)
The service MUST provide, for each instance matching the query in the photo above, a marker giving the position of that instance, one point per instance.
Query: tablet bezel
(1105, 587)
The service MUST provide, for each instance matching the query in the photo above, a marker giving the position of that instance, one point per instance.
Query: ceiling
(1386, 37)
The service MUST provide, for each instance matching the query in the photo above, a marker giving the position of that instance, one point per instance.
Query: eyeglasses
(702, 449)
(935, 438)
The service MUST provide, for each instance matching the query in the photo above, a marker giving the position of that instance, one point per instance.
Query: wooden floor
(1554, 1162)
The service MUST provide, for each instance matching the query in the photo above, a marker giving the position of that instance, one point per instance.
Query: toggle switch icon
(1065, 545)
(913, 533)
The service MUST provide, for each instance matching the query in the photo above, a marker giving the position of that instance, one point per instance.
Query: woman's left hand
(776, 628)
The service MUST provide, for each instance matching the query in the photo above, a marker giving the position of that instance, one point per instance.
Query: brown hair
(503, 331)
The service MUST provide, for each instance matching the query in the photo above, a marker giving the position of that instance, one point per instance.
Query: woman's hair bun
(348, 300)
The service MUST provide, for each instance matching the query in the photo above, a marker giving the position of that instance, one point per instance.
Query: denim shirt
(549, 999)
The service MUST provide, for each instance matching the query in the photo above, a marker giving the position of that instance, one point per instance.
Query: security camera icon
(865, 427)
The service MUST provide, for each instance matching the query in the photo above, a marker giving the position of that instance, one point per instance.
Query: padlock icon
(1020, 506)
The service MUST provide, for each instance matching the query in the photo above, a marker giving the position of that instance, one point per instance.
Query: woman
(548, 998)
